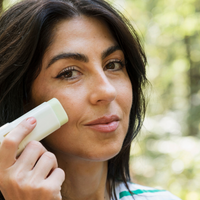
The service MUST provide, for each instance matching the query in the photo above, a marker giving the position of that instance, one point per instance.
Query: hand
(34, 175)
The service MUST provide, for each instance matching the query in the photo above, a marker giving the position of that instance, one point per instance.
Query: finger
(57, 196)
(10, 143)
(56, 177)
(45, 165)
(32, 152)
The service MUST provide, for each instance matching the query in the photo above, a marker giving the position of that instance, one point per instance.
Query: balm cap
(59, 111)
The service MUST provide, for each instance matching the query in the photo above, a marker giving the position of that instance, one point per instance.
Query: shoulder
(142, 193)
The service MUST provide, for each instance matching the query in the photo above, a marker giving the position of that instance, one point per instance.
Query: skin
(96, 87)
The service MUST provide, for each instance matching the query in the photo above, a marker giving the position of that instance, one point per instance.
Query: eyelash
(64, 72)
(121, 62)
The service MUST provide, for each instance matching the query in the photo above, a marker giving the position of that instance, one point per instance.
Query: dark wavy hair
(26, 31)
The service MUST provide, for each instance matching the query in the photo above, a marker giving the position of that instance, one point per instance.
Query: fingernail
(31, 120)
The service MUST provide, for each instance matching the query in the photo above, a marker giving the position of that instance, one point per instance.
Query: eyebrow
(109, 51)
(82, 57)
(75, 56)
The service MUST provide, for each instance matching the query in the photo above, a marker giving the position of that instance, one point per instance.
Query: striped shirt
(142, 193)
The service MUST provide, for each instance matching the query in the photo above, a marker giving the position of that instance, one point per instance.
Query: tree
(1, 5)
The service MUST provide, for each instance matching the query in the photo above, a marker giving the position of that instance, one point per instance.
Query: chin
(104, 156)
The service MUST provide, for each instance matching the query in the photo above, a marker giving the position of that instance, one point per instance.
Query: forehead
(82, 24)
(80, 30)
(84, 35)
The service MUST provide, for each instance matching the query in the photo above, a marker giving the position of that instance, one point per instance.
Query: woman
(87, 55)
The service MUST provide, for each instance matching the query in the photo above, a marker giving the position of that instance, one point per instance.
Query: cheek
(40, 90)
(124, 100)
(70, 97)
(72, 100)
(125, 94)
(44, 89)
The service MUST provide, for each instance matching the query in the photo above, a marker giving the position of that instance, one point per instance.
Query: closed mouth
(104, 124)
(103, 120)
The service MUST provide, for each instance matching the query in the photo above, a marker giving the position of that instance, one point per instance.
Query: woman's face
(84, 68)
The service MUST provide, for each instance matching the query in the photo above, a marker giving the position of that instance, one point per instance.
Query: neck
(84, 180)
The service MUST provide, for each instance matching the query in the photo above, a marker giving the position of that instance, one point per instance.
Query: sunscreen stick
(50, 116)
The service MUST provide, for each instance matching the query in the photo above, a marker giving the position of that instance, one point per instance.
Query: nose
(102, 89)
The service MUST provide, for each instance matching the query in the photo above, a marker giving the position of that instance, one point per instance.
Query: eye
(69, 73)
(114, 65)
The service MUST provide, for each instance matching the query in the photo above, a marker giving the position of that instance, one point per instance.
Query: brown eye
(69, 73)
(111, 65)
(114, 66)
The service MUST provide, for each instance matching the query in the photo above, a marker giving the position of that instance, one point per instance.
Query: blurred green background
(166, 154)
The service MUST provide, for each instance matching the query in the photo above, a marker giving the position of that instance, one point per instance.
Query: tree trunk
(1, 6)
(194, 83)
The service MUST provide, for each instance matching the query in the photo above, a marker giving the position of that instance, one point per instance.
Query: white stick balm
(50, 116)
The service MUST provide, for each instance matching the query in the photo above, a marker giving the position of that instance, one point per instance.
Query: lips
(104, 124)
